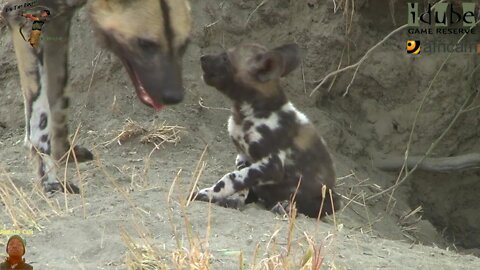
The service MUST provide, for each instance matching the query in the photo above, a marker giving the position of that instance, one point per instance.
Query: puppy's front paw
(230, 203)
(204, 195)
(241, 162)
(236, 200)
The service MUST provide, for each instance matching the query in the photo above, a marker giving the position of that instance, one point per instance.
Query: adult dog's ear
(275, 63)
(290, 54)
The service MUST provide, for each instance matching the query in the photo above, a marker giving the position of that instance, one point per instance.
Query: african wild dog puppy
(278, 146)
(149, 36)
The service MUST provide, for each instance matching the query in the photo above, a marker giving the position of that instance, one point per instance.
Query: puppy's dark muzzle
(205, 62)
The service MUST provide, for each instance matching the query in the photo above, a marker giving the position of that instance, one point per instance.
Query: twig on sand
(255, 10)
(199, 168)
(202, 104)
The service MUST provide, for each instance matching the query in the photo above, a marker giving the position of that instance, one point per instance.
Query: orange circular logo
(413, 46)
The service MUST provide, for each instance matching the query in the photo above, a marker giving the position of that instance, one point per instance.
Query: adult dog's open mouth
(142, 93)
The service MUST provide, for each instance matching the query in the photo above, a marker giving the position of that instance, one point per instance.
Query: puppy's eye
(146, 44)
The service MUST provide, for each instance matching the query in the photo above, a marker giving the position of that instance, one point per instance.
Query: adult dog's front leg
(55, 56)
(259, 173)
(37, 109)
(43, 77)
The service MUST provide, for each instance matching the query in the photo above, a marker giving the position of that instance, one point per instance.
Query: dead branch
(474, 93)
(443, 164)
(357, 65)
(404, 170)
(364, 57)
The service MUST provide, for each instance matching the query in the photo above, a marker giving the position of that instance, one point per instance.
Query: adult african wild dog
(279, 148)
(149, 36)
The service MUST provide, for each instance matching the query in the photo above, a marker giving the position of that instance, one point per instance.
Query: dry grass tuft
(279, 257)
(27, 210)
(312, 259)
(348, 7)
(408, 223)
(155, 134)
(194, 257)
(18, 205)
(190, 252)
(298, 252)
(141, 256)
(161, 134)
(197, 255)
(130, 130)
(197, 173)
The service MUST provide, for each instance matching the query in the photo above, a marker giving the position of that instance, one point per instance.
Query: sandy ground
(126, 189)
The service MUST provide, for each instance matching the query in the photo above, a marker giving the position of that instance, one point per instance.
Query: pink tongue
(149, 100)
(145, 97)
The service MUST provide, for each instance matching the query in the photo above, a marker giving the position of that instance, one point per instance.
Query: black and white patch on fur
(279, 148)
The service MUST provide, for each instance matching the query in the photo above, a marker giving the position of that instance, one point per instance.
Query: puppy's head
(249, 70)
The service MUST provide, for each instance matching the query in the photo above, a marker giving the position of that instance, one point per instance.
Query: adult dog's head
(150, 37)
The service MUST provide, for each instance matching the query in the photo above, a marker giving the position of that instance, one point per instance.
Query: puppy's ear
(276, 63)
(266, 66)
(290, 54)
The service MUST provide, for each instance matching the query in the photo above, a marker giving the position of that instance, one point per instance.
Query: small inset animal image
(280, 154)
(38, 22)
